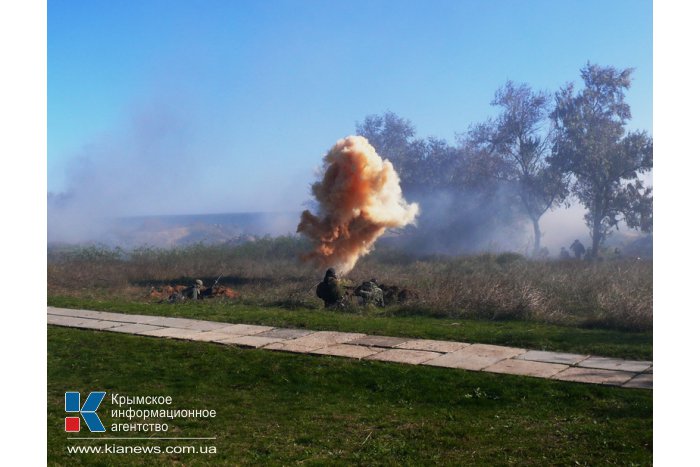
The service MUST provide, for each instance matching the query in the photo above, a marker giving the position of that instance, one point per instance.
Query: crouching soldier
(194, 291)
(370, 293)
(329, 290)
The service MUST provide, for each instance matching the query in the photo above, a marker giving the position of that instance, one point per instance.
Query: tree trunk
(538, 236)
(597, 234)
(597, 237)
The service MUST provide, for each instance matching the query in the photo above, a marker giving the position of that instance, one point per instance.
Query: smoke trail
(358, 198)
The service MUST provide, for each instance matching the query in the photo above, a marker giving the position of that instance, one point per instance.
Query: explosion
(359, 198)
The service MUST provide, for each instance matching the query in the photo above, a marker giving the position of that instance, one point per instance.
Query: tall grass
(615, 294)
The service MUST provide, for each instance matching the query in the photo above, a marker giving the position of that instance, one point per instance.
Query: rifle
(209, 291)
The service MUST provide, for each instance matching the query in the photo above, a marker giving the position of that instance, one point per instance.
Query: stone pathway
(447, 354)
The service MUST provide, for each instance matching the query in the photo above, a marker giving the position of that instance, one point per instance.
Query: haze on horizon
(176, 108)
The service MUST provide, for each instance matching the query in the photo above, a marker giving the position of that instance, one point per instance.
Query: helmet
(330, 272)
(199, 282)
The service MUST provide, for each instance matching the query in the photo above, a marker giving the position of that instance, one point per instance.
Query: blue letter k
(93, 401)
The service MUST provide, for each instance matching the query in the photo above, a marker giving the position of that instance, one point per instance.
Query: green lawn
(277, 408)
(526, 334)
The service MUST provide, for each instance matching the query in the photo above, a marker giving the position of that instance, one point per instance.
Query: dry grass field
(614, 294)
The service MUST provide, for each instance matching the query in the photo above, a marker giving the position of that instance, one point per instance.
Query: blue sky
(229, 105)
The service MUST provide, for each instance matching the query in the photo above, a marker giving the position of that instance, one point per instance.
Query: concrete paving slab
(475, 357)
(70, 312)
(243, 329)
(133, 328)
(285, 334)
(378, 341)
(250, 341)
(348, 350)
(126, 318)
(432, 345)
(209, 336)
(92, 314)
(643, 381)
(140, 319)
(103, 315)
(108, 316)
(70, 321)
(170, 322)
(595, 376)
(552, 357)
(413, 357)
(50, 310)
(186, 323)
(97, 324)
(84, 323)
(205, 325)
(320, 339)
(173, 333)
(615, 364)
(512, 366)
(286, 347)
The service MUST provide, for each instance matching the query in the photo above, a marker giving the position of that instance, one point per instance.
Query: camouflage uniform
(371, 293)
(329, 290)
(194, 291)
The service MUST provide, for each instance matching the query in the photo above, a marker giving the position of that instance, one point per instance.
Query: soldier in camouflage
(370, 293)
(194, 291)
(329, 290)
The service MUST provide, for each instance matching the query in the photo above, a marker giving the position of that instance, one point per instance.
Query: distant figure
(194, 291)
(370, 293)
(329, 290)
(543, 254)
(617, 253)
(564, 254)
(578, 249)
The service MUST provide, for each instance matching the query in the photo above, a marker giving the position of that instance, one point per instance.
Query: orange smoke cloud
(359, 198)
